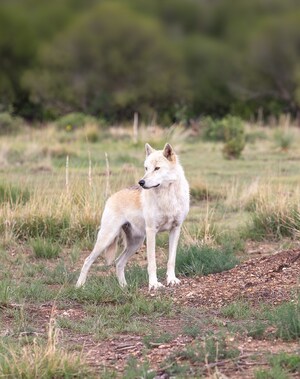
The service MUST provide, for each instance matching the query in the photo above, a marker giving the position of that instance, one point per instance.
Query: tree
(111, 61)
(270, 65)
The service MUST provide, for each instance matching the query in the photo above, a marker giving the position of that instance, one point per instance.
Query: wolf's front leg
(153, 282)
(173, 242)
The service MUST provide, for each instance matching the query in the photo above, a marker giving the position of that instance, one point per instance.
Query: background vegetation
(169, 60)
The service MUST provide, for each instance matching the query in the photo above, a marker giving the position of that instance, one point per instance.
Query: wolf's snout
(142, 183)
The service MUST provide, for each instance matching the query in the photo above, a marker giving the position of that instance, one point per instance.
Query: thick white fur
(161, 205)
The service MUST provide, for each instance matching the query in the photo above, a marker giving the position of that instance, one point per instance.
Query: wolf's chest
(169, 214)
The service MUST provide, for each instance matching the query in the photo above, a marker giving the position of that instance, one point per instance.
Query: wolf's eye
(146, 169)
(156, 168)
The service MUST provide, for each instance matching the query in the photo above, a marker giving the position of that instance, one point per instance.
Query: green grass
(192, 330)
(282, 366)
(13, 194)
(123, 313)
(273, 223)
(204, 260)
(210, 349)
(43, 248)
(283, 319)
(256, 329)
(40, 226)
(135, 369)
(5, 291)
(237, 310)
(286, 319)
(60, 274)
(33, 290)
(40, 359)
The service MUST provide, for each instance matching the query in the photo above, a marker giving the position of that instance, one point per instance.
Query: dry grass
(41, 360)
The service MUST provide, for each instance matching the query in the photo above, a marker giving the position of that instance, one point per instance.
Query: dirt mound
(270, 279)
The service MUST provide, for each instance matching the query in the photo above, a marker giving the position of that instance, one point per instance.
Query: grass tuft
(276, 214)
(286, 319)
(40, 360)
(274, 223)
(237, 310)
(44, 248)
(204, 260)
(43, 226)
(282, 366)
(13, 194)
(5, 290)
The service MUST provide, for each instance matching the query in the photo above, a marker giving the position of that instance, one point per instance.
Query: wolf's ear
(148, 149)
(168, 152)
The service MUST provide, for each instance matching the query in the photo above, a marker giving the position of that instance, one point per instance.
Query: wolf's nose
(142, 183)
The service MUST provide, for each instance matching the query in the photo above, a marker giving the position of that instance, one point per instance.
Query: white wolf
(160, 203)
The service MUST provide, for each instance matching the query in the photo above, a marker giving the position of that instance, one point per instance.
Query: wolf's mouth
(157, 185)
(142, 183)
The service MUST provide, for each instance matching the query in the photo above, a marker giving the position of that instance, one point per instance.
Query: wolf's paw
(155, 286)
(173, 281)
(79, 284)
(123, 284)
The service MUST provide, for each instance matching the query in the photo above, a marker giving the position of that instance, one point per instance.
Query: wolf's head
(160, 167)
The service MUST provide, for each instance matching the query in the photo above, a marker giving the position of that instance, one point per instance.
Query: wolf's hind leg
(106, 237)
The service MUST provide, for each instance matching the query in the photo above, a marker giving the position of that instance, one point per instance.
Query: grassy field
(53, 185)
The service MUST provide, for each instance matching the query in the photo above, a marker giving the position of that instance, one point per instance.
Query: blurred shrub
(213, 130)
(8, 123)
(74, 121)
(91, 133)
(230, 130)
(284, 138)
(234, 136)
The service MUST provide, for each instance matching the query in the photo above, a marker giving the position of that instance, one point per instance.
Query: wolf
(160, 203)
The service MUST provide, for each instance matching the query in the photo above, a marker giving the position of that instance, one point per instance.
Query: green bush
(230, 130)
(234, 137)
(213, 130)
